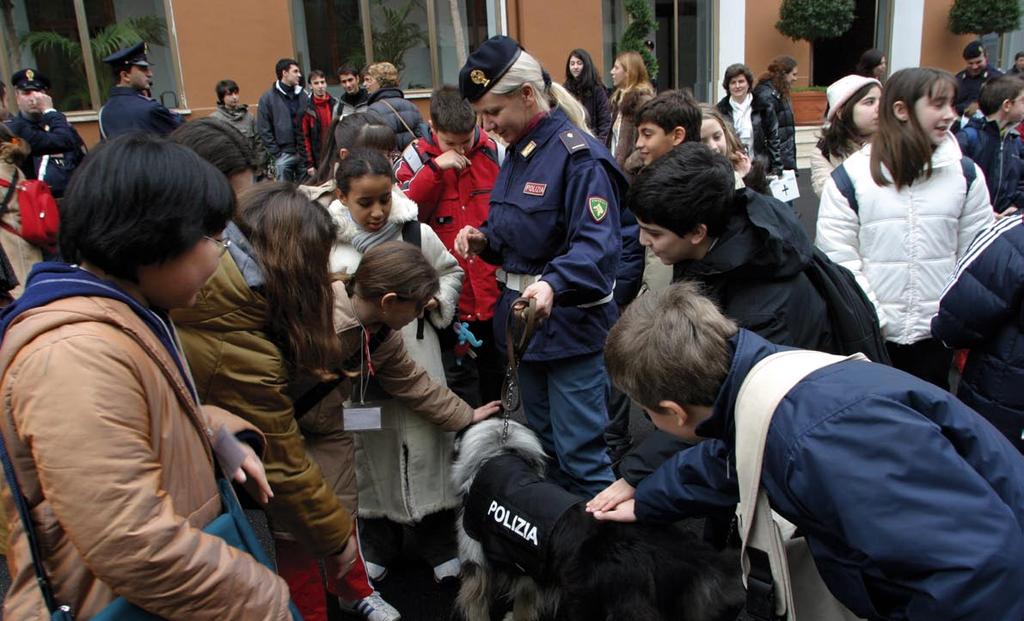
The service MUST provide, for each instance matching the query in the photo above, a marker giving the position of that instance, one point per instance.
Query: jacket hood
(747, 350)
(632, 100)
(50, 284)
(403, 210)
(947, 153)
(235, 114)
(763, 239)
(295, 90)
(387, 92)
(228, 302)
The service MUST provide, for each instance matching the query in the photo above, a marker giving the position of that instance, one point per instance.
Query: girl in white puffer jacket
(915, 211)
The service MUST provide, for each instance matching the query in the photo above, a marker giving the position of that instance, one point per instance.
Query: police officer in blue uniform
(554, 228)
(129, 106)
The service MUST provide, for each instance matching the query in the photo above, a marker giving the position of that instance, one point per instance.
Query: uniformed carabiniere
(129, 106)
(554, 230)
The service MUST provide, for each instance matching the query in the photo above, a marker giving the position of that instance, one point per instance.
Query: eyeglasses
(223, 243)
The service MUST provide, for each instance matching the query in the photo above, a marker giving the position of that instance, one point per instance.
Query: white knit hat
(844, 88)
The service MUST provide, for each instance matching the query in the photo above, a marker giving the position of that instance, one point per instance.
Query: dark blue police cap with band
(488, 64)
(30, 80)
(134, 55)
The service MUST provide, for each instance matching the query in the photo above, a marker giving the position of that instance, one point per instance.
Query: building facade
(195, 43)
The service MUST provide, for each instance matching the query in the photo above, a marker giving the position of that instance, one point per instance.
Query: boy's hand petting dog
(623, 512)
(618, 492)
(485, 411)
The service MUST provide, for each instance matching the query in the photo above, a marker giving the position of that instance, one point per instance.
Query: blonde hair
(670, 345)
(385, 73)
(574, 110)
(636, 75)
(12, 148)
(732, 142)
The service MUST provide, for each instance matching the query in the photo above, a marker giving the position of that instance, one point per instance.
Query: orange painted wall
(940, 47)
(763, 42)
(230, 39)
(550, 30)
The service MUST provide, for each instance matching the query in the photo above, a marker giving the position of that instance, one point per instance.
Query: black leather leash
(519, 327)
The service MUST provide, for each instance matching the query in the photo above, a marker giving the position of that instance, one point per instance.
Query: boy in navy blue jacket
(993, 142)
(911, 503)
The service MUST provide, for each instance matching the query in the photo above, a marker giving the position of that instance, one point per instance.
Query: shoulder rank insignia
(528, 149)
(598, 208)
(573, 140)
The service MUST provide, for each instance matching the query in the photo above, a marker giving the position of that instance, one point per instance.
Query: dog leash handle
(519, 328)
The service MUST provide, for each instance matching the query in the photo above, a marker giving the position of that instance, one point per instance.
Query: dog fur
(592, 570)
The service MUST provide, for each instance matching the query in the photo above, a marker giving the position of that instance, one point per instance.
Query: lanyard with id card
(360, 416)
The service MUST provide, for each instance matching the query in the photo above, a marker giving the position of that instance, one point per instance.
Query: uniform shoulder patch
(573, 140)
(598, 207)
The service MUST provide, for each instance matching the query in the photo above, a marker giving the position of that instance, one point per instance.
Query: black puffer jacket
(400, 114)
(765, 130)
(787, 123)
(982, 310)
(755, 273)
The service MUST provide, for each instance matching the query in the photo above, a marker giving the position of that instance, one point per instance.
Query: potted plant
(812, 20)
(984, 16)
(640, 27)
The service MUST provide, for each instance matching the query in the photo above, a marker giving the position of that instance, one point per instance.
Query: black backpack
(851, 314)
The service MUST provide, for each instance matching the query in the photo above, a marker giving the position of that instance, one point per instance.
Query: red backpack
(39, 216)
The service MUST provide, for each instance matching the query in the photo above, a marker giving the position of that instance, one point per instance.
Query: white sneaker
(372, 608)
(376, 572)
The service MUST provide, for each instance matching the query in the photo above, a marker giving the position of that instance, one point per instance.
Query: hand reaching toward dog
(624, 512)
(611, 496)
(485, 411)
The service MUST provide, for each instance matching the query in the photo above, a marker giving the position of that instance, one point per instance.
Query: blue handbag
(232, 526)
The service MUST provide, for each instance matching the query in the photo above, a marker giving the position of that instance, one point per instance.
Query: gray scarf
(364, 240)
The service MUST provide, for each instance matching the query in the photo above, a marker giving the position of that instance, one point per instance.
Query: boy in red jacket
(450, 176)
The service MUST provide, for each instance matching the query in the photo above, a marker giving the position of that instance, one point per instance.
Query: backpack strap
(845, 186)
(763, 553)
(56, 611)
(970, 172)
(316, 394)
(411, 234)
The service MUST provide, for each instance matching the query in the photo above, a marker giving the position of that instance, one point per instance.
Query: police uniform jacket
(555, 213)
(512, 512)
(56, 148)
(128, 110)
(969, 87)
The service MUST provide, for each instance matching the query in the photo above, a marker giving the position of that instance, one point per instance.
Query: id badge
(362, 418)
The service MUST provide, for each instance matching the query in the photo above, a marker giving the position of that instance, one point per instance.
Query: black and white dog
(524, 539)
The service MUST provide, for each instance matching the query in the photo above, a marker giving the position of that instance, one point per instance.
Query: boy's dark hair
(450, 112)
(141, 200)
(218, 143)
(672, 109)
(997, 90)
(225, 87)
(738, 69)
(284, 65)
(348, 70)
(688, 186)
(359, 163)
(1018, 56)
(316, 73)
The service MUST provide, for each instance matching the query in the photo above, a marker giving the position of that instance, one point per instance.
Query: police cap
(486, 65)
(974, 49)
(30, 80)
(126, 57)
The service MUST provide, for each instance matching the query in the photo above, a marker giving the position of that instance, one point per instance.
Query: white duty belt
(519, 282)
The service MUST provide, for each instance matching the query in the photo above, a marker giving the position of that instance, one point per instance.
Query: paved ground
(410, 587)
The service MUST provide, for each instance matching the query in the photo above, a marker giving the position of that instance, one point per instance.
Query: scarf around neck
(363, 240)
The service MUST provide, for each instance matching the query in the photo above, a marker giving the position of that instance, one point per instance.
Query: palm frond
(114, 37)
(41, 42)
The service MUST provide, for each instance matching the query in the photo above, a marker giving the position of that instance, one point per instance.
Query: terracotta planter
(809, 107)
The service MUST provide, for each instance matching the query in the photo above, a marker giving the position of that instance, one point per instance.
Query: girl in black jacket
(774, 86)
(581, 79)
